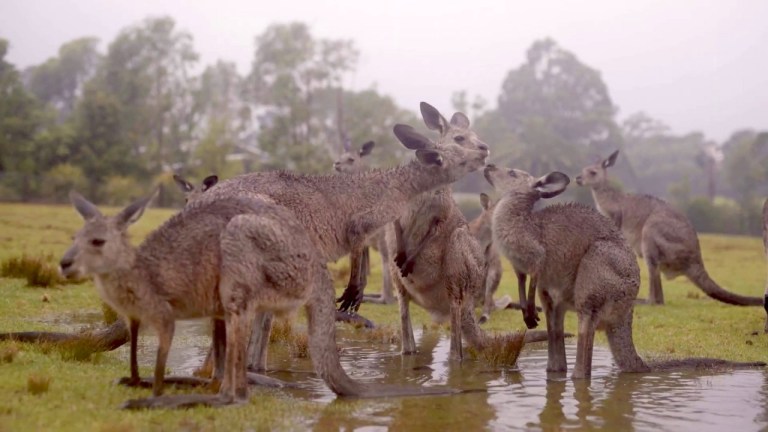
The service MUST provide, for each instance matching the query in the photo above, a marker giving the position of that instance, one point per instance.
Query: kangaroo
(578, 261)
(341, 211)
(351, 162)
(658, 233)
(190, 191)
(480, 227)
(765, 245)
(264, 261)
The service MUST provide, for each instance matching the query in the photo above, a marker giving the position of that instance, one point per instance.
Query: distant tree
(20, 119)
(59, 80)
(553, 110)
(290, 70)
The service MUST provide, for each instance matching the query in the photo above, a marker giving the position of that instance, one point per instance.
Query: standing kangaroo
(480, 227)
(340, 212)
(578, 261)
(658, 233)
(353, 162)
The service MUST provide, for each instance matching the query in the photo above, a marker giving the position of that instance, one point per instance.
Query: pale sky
(696, 65)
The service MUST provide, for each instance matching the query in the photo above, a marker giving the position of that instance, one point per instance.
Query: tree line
(113, 123)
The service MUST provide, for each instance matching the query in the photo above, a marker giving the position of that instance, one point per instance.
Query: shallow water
(525, 398)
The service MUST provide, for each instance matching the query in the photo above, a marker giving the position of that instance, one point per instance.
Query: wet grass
(502, 349)
(81, 395)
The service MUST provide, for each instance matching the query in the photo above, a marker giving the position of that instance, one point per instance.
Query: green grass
(80, 395)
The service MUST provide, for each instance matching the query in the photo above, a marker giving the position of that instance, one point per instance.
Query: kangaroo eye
(98, 242)
(350, 160)
(458, 139)
(592, 172)
(512, 173)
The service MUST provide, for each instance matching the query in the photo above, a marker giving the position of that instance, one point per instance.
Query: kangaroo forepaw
(407, 268)
(351, 298)
(531, 320)
(483, 319)
(400, 259)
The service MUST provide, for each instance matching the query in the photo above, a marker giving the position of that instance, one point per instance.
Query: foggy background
(200, 87)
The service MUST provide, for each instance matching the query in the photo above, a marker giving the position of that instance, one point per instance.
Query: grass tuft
(9, 352)
(38, 384)
(37, 270)
(501, 350)
(299, 346)
(385, 334)
(282, 331)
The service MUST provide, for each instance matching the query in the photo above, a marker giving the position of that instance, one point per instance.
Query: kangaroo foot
(354, 319)
(384, 390)
(265, 381)
(178, 402)
(172, 380)
(532, 336)
(377, 299)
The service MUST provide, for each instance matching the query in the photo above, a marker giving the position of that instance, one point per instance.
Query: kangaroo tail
(698, 275)
(702, 363)
(106, 339)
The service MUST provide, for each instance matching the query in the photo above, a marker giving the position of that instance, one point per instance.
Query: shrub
(61, 179)
(38, 271)
(120, 190)
(38, 384)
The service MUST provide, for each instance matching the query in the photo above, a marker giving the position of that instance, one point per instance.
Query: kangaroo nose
(491, 166)
(483, 146)
(65, 263)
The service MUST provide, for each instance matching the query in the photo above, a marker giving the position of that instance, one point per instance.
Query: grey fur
(658, 233)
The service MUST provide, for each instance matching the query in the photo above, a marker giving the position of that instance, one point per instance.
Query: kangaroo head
(518, 182)
(457, 152)
(190, 191)
(597, 173)
(352, 160)
(101, 245)
(481, 226)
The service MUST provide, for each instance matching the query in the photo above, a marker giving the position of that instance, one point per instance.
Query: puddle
(526, 398)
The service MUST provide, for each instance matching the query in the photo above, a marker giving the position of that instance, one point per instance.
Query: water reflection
(524, 399)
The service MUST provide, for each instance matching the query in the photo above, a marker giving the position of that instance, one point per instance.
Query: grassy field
(80, 394)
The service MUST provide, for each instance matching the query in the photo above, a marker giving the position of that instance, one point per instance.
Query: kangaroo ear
(552, 184)
(210, 182)
(611, 159)
(86, 209)
(433, 119)
(429, 157)
(133, 212)
(366, 149)
(460, 120)
(410, 138)
(485, 201)
(184, 185)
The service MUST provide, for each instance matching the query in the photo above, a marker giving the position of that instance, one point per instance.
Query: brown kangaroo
(340, 212)
(190, 191)
(230, 258)
(351, 161)
(480, 227)
(578, 261)
(658, 233)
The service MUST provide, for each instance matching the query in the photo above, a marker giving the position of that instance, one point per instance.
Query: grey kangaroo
(577, 260)
(340, 212)
(191, 192)
(658, 233)
(353, 161)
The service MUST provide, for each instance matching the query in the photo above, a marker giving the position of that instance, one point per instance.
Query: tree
(147, 69)
(20, 119)
(552, 111)
(60, 80)
(290, 70)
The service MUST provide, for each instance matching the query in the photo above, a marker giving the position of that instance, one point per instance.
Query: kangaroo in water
(577, 260)
(658, 233)
(352, 161)
(341, 211)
